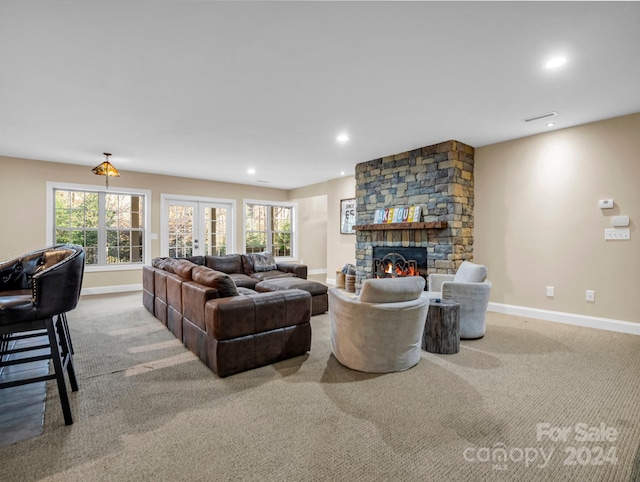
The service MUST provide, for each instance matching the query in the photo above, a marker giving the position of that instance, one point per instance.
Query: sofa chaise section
(247, 331)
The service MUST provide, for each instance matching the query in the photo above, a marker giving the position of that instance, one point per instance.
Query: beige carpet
(147, 409)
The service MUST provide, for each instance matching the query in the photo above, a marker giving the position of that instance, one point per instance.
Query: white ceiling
(209, 89)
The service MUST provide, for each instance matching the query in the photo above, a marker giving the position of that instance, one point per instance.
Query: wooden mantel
(391, 226)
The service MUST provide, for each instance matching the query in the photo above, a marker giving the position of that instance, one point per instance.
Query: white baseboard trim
(317, 271)
(568, 318)
(101, 290)
(330, 281)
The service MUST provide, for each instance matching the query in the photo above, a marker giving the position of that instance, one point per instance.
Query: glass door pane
(215, 229)
(181, 231)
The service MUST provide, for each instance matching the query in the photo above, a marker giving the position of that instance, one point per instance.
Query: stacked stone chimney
(439, 179)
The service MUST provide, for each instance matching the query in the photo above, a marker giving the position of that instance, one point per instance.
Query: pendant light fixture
(106, 169)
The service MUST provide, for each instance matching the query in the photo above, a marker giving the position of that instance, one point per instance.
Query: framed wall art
(347, 216)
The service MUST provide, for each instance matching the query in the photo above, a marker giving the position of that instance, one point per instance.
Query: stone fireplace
(437, 178)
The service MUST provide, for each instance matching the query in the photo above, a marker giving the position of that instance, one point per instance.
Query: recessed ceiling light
(342, 173)
(555, 62)
(342, 138)
(551, 124)
(251, 171)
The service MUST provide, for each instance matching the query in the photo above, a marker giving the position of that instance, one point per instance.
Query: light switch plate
(605, 203)
(617, 234)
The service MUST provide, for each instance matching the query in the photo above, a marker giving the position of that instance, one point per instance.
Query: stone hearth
(437, 178)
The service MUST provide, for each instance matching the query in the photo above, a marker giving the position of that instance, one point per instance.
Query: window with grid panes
(269, 227)
(110, 226)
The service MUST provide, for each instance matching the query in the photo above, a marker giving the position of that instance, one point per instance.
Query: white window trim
(49, 224)
(294, 224)
(164, 221)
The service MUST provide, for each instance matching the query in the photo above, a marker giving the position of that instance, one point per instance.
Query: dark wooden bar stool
(36, 292)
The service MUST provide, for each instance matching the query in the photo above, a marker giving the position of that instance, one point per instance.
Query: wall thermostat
(605, 203)
(620, 221)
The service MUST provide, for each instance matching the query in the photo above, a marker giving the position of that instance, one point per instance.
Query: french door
(196, 227)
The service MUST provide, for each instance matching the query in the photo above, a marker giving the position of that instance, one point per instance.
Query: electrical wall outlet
(591, 295)
(617, 234)
(551, 292)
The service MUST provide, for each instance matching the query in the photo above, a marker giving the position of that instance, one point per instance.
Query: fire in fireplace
(394, 265)
(397, 261)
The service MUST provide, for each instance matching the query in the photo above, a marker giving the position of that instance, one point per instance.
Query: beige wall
(312, 232)
(340, 248)
(23, 201)
(538, 224)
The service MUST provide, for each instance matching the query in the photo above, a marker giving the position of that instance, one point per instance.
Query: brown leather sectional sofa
(241, 269)
(217, 315)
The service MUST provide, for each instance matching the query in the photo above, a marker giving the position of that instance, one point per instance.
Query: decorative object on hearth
(350, 283)
(106, 169)
(349, 273)
(347, 216)
(349, 269)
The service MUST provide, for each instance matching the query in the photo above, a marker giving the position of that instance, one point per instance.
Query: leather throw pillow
(263, 261)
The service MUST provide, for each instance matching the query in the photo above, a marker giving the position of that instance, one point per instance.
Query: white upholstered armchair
(381, 330)
(469, 287)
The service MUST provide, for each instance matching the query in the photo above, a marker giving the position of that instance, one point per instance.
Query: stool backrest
(53, 274)
(57, 285)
